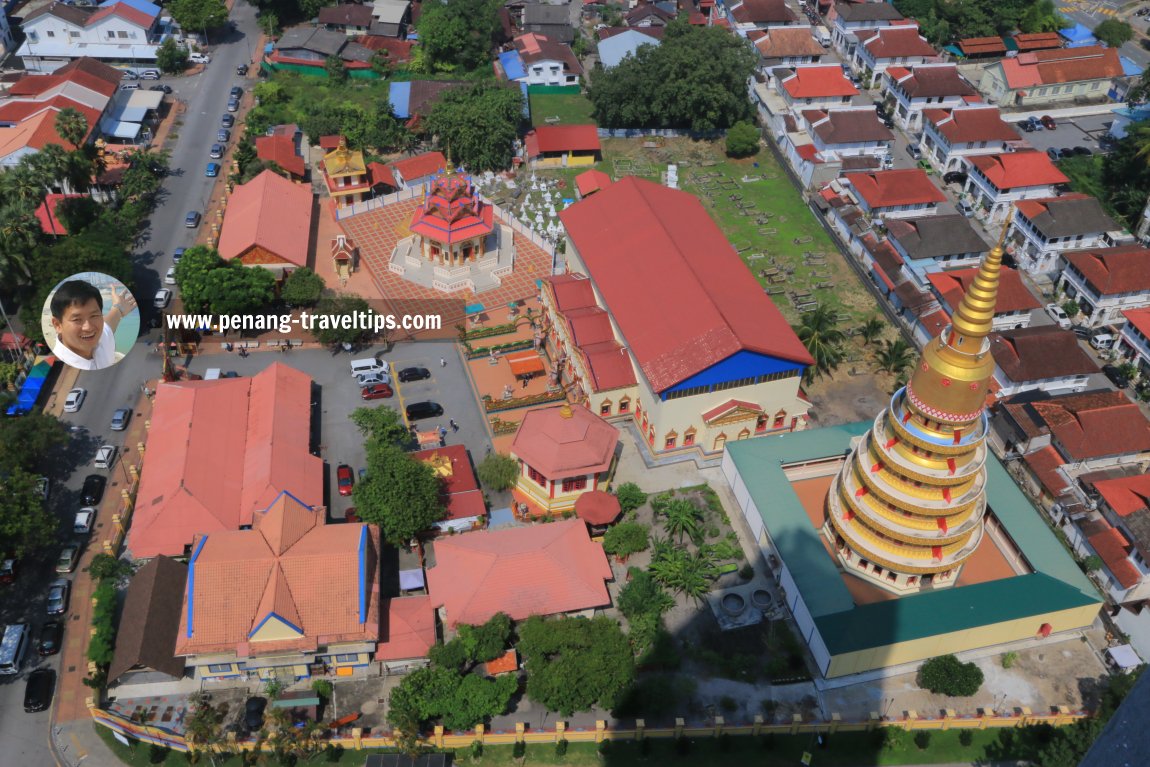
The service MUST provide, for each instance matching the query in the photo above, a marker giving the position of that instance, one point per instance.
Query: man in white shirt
(85, 336)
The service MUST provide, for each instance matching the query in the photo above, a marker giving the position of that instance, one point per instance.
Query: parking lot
(1071, 132)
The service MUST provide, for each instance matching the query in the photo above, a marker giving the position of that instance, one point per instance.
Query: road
(1091, 13)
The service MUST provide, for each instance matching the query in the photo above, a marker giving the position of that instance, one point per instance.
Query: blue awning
(473, 309)
(1078, 36)
(955, 51)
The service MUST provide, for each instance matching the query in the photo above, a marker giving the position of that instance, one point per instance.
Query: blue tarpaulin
(512, 65)
(1129, 68)
(399, 94)
(1078, 36)
(473, 309)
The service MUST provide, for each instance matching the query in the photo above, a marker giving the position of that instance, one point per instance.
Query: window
(761, 423)
(539, 478)
(122, 35)
(111, 35)
(780, 419)
(350, 658)
(572, 484)
(220, 668)
(74, 35)
(624, 405)
(51, 33)
(605, 408)
(689, 438)
(669, 443)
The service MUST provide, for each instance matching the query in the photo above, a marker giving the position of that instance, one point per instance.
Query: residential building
(287, 598)
(553, 569)
(1051, 77)
(463, 505)
(788, 47)
(930, 244)
(728, 368)
(352, 19)
(891, 46)
(538, 60)
(1134, 340)
(392, 17)
(1026, 42)
(555, 146)
(1124, 546)
(121, 32)
(821, 86)
(895, 193)
(838, 133)
(146, 637)
(308, 46)
(413, 99)
(647, 14)
(268, 224)
(411, 171)
(949, 135)
(747, 15)
(625, 42)
(1044, 357)
(346, 175)
(996, 181)
(981, 47)
(552, 20)
(394, 50)
(225, 450)
(281, 146)
(927, 86)
(1012, 306)
(853, 21)
(407, 634)
(1107, 281)
(6, 40)
(1043, 229)
(563, 452)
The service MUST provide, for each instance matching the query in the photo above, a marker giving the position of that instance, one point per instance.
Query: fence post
(719, 722)
(600, 729)
(560, 731)
(911, 718)
(520, 728)
(680, 723)
(758, 725)
(796, 720)
(836, 720)
(873, 721)
(640, 725)
(947, 716)
(479, 734)
(1025, 718)
(1064, 716)
(357, 737)
(439, 736)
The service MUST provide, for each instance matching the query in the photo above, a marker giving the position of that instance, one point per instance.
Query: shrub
(746, 572)
(728, 704)
(497, 471)
(519, 750)
(630, 496)
(158, 754)
(561, 747)
(922, 739)
(965, 738)
(604, 748)
(742, 140)
(947, 675)
(1009, 659)
(625, 539)
(682, 745)
(333, 753)
(322, 688)
(894, 738)
(476, 750)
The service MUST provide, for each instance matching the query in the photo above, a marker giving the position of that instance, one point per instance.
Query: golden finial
(975, 315)
(565, 411)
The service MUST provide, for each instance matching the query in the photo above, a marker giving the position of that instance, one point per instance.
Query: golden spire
(974, 318)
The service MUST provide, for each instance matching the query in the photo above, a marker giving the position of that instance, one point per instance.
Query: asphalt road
(1091, 13)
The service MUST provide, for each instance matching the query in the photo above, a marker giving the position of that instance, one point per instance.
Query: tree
(872, 329)
(630, 497)
(105, 567)
(642, 595)
(450, 655)
(30, 441)
(75, 214)
(269, 22)
(947, 675)
(820, 333)
(198, 15)
(683, 517)
(498, 472)
(574, 664)
(192, 275)
(487, 641)
(20, 231)
(381, 425)
(460, 35)
(477, 126)
(24, 523)
(1071, 307)
(335, 70)
(895, 356)
(234, 288)
(1114, 33)
(72, 126)
(624, 539)
(203, 724)
(742, 139)
(436, 693)
(303, 287)
(401, 495)
(683, 572)
(171, 57)
(337, 307)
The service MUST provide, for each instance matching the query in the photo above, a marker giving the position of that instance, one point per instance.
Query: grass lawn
(571, 109)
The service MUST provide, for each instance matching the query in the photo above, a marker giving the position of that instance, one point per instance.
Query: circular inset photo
(90, 321)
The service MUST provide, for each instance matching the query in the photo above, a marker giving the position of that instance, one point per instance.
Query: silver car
(58, 596)
(75, 400)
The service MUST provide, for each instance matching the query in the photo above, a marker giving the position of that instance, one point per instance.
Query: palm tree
(683, 517)
(685, 573)
(72, 126)
(895, 356)
(19, 231)
(872, 329)
(819, 332)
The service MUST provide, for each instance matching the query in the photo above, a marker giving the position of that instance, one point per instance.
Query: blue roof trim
(268, 617)
(740, 365)
(192, 586)
(363, 574)
(399, 94)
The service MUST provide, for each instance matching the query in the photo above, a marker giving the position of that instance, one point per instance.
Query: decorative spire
(974, 318)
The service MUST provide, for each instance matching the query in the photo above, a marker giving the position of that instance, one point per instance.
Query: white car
(106, 456)
(162, 299)
(199, 58)
(75, 400)
(85, 517)
(1059, 316)
(170, 276)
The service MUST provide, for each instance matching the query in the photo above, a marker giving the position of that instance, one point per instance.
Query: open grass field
(571, 109)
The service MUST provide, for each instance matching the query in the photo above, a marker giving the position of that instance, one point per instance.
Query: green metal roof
(1057, 584)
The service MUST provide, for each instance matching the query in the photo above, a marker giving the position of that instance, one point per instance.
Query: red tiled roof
(327, 143)
(982, 46)
(847, 126)
(1013, 295)
(1124, 269)
(452, 211)
(1065, 65)
(504, 664)
(1036, 41)
(785, 42)
(1040, 353)
(229, 447)
(935, 322)
(896, 43)
(124, 11)
(635, 232)
(381, 174)
(1017, 169)
(1044, 464)
(562, 138)
(590, 181)
(269, 212)
(462, 497)
(51, 224)
(397, 50)
(420, 166)
(932, 81)
(521, 571)
(762, 12)
(534, 47)
(1114, 549)
(886, 188)
(1126, 495)
(729, 406)
(609, 365)
(1094, 424)
(282, 151)
(1140, 319)
(558, 446)
(407, 630)
(818, 81)
(596, 507)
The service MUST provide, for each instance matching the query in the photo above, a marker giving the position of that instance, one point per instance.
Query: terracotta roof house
(274, 598)
(949, 135)
(647, 14)
(352, 18)
(1014, 303)
(667, 370)
(996, 181)
(406, 634)
(927, 86)
(522, 571)
(931, 243)
(895, 193)
(1126, 506)
(590, 181)
(1117, 552)
(852, 21)
(229, 448)
(891, 46)
(146, 639)
(978, 47)
(1043, 229)
(838, 133)
(283, 149)
(1024, 42)
(539, 60)
(760, 14)
(562, 145)
(1107, 281)
(462, 498)
(393, 49)
(821, 85)
(268, 223)
(1051, 76)
(1043, 357)
(1134, 339)
(563, 452)
(417, 170)
(788, 46)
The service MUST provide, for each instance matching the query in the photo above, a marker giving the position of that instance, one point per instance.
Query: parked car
(199, 58)
(75, 400)
(166, 89)
(48, 642)
(178, 253)
(236, 92)
(69, 556)
(408, 375)
(1102, 341)
(254, 713)
(227, 121)
(93, 489)
(1059, 316)
(8, 569)
(1052, 153)
(216, 152)
(376, 391)
(192, 220)
(965, 208)
(1115, 376)
(1081, 151)
(39, 689)
(1036, 124)
(372, 379)
(85, 518)
(1065, 153)
(162, 299)
(344, 479)
(170, 276)
(914, 151)
(129, 86)
(233, 105)
(130, 75)
(212, 170)
(58, 593)
(223, 135)
(955, 177)
(105, 456)
(150, 74)
(1048, 122)
(417, 411)
(242, 70)
(1025, 125)
(120, 418)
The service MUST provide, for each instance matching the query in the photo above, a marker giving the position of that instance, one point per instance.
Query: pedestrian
(442, 362)
(442, 432)
(454, 425)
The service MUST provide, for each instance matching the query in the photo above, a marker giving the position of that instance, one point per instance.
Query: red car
(344, 479)
(376, 391)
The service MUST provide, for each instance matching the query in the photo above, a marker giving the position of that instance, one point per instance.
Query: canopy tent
(31, 388)
(1078, 36)
(597, 508)
(117, 129)
(1123, 657)
(411, 580)
(473, 309)
(526, 364)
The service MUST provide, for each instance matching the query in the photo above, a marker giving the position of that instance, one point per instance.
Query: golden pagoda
(907, 509)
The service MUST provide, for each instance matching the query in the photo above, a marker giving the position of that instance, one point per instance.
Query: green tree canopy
(1114, 32)
(460, 35)
(72, 126)
(198, 15)
(487, 641)
(29, 442)
(642, 595)
(208, 283)
(477, 126)
(380, 425)
(948, 675)
(497, 471)
(171, 57)
(819, 331)
(625, 539)
(630, 497)
(400, 494)
(695, 80)
(459, 702)
(303, 287)
(574, 664)
(943, 21)
(24, 523)
(342, 306)
(742, 139)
